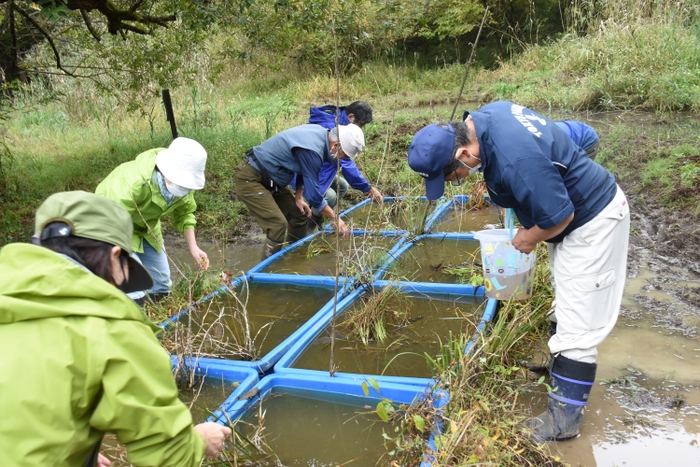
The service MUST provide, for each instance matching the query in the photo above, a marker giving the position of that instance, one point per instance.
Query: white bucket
(507, 272)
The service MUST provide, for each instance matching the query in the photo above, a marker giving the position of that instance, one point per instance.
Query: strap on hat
(56, 229)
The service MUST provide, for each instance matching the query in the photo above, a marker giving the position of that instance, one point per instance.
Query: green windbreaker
(78, 359)
(132, 185)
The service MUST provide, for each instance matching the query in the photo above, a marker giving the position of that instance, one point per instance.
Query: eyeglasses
(452, 167)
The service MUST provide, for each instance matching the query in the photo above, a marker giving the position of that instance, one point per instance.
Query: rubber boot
(270, 248)
(315, 222)
(571, 383)
(296, 233)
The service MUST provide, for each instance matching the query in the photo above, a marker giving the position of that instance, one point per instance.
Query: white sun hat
(352, 140)
(183, 163)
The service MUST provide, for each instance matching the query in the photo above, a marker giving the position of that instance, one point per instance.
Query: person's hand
(522, 243)
(200, 258)
(341, 227)
(102, 461)
(303, 207)
(376, 196)
(214, 436)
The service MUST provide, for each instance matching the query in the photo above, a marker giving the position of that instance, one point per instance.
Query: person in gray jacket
(263, 177)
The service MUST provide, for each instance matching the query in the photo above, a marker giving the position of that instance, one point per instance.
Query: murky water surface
(254, 321)
(460, 218)
(402, 353)
(205, 396)
(400, 214)
(434, 260)
(357, 253)
(319, 433)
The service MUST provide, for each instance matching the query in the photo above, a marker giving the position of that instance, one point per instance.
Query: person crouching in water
(78, 357)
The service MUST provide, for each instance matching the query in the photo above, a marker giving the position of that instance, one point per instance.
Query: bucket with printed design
(507, 272)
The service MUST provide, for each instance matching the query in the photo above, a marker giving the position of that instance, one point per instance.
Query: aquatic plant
(468, 272)
(377, 311)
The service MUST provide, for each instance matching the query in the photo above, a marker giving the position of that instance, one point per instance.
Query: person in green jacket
(158, 182)
(77, 357)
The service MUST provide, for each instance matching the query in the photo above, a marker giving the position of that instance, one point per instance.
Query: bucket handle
(509, 222)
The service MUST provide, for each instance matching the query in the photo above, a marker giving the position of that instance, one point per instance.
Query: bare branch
(46, 35)
(127, 27)
(136, 5)
(89, 25)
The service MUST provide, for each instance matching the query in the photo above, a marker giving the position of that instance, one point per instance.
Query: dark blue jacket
(534, 167)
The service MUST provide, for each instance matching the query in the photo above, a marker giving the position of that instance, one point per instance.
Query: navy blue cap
(428, 155)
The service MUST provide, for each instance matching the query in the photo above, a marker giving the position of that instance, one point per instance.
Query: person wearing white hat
(297, 153)
(158, 182)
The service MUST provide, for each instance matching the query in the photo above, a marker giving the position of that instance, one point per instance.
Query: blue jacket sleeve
(310, 163)
(325, 116)
(583, 135)
(353, 175)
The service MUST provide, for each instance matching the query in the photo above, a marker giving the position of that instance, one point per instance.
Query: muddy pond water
(205, 396)
(353, 255)
(400, 214)
(644, 409)
(303, 431)
(428, 325)
(254, 319)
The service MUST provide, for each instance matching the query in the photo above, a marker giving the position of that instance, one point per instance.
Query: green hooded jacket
(77, 359)
(133, 186)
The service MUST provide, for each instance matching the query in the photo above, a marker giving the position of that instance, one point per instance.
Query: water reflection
(645, 407)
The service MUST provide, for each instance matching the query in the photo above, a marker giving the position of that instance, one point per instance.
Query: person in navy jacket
(562, 197)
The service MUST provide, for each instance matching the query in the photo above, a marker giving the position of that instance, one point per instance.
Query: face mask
(176, 190)
(474, 170)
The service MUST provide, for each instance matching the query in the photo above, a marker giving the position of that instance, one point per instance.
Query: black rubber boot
(571, 383)
(296, 233)
(315, 222)
(270, 248)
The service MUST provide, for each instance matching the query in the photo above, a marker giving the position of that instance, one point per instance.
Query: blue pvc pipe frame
(227, 370)
(395, 388)
(284, 365)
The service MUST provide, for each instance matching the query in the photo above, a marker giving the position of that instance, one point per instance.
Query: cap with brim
(95, 217)
(351, 139)
(183, 163)
(429, 153)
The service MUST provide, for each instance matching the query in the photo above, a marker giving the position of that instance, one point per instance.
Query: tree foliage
(27, 23)
(317, 31)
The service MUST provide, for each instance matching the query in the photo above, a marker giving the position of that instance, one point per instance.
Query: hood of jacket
(38, 283)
